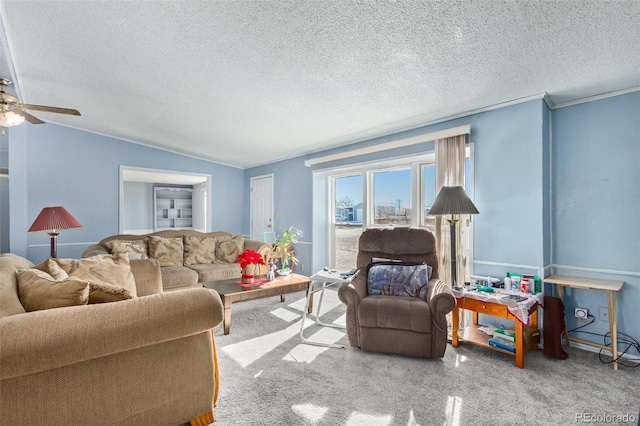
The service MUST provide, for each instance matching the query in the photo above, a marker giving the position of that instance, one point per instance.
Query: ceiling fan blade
(57, 110)
(30, 118)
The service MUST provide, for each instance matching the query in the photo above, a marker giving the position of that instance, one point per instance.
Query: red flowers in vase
(249, 257)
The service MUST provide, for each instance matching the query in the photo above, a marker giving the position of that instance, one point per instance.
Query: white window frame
(367, 170)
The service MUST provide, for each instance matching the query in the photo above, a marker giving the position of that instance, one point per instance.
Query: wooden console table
(526, 337)
(610, 287)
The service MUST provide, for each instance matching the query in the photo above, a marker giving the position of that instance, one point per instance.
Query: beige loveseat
(149, 360)
(187, 258)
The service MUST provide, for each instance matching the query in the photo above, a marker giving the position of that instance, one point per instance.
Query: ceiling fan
(12, 112)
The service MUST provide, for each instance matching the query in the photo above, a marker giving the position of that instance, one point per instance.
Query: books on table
(504, 334)
(506, 345)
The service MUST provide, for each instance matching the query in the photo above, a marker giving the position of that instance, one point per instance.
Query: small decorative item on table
(271, 270)
(248, 261)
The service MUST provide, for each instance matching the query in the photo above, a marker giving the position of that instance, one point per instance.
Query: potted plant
(282, 247)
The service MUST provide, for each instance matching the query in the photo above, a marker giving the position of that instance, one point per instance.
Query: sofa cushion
(229, 248)
(109, 275)
(9, 300)
(217, 271)
(168, 251)
(199, 250)
(39, 290)
(136, 249)
(178, 276)
(400, 313)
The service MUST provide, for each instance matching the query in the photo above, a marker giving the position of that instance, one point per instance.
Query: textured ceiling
(247, 83)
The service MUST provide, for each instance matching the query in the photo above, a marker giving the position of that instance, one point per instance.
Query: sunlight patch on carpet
(361, 419)
(249, 351)
(308, 353)
(304, 353)
(459, 360)
(309, 412)
(412, 419)
(329, 302)
(341, 320)
(453, 411)
(285, 314)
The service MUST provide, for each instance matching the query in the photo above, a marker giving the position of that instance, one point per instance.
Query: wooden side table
(527, 337)
(611, 288)
(276, 256)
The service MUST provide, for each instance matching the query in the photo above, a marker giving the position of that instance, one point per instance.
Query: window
(398, 192)
(348, 213)
(391, 197)
(428, 172)
(371, 195)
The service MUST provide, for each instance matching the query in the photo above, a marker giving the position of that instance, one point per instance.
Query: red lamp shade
(52, 220)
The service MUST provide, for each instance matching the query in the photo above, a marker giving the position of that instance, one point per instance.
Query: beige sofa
(147, 360)
(198, 257)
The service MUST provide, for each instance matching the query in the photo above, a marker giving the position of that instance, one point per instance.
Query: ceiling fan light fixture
(10, 119)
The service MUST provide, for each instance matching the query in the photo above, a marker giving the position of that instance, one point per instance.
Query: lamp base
(454, 270)
(54, 244)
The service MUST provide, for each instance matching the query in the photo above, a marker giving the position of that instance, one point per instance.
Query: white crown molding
(596, 97)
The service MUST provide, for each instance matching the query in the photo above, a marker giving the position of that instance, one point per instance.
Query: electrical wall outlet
(582, 313)
(302, 267)
(603, 314)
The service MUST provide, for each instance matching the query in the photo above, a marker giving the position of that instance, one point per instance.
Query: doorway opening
(137, 210)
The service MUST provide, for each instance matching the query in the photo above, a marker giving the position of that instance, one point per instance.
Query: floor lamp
(452, 200)
(52, 220)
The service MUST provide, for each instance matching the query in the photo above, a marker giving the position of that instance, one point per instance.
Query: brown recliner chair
(394, 324)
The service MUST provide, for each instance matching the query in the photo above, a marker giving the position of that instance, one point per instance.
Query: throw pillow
(109, 276)
(168, 251)
(229, 248)
(406, 279)
(136, 249)
(199, 250)
(51, 267)
(38, 290)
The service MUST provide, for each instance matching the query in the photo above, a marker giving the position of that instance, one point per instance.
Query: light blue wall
(508, 180)
(509, 173)
(54, 165)
(596, 203)
(138, 201)
(292, 203)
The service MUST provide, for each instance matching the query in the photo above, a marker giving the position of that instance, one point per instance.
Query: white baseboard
(629, 357)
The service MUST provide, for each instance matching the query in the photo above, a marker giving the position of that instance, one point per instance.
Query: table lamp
(454, 201)
(52, 220)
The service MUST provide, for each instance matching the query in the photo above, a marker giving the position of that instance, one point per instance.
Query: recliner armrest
(352, 293)
(440, 298)
(43, 340)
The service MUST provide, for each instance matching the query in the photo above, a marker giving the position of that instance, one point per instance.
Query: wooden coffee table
(231, 292)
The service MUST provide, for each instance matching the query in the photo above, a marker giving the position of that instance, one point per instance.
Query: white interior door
(261, 206)
(200, 207)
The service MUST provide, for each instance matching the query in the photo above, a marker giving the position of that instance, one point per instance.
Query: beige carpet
(268, 377)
